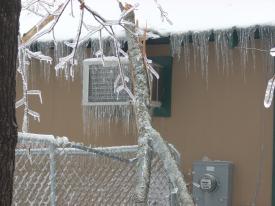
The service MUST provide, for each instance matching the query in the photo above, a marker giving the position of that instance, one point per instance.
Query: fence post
(52, 175)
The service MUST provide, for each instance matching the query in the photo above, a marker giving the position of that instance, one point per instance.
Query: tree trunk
(9, 24)
(148, 136)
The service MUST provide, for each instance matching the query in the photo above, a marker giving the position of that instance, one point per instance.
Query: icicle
(99, 117)
(186, 53)
(176, 42)
(218, 36)
(245, 36)
(253, 45)
(200, 45)
(269, 92)
(46, 49)
(266, 34)
(223, 52)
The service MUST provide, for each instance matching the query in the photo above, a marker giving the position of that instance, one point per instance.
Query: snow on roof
(186, 15)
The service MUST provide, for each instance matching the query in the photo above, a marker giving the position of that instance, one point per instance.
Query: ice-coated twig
(93, 12)
(121, 72)
(63, 62)
(163, 14)
(79, 30)
(35, 12)
(55, 15)
(28, 4)
(45, 8)
(19, 103)
(85, 38)
(70, 59)
(101, 20)
(101, 53)
(72, 10)
(39, 56)
(23, 55)
(54, 39)
(34, 114)
(49, 3)
(126, 12)
(37, 93)
(123, 53)
(150, 68)
(107, 26)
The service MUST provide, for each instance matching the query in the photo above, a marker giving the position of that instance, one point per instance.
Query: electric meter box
(212, 183)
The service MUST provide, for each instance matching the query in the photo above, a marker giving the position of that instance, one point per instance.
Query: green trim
(161, 40)
(233, 40)
(165, 94)
(212, 36)
(257, 34)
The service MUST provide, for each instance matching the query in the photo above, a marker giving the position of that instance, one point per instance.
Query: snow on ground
(186, 15)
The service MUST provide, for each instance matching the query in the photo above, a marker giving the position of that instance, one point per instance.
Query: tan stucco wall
(224, 121)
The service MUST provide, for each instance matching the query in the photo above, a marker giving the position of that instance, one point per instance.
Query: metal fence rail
(53, 171)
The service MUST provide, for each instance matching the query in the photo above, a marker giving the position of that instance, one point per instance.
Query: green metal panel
(166, 75)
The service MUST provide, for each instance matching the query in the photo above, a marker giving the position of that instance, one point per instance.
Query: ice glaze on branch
(147, 133)
(34, 33)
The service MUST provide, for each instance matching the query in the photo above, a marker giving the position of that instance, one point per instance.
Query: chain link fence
(53, 171)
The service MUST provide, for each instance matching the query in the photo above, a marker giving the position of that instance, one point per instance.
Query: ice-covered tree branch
(35, 33)
(24, 55)
(147, 133)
